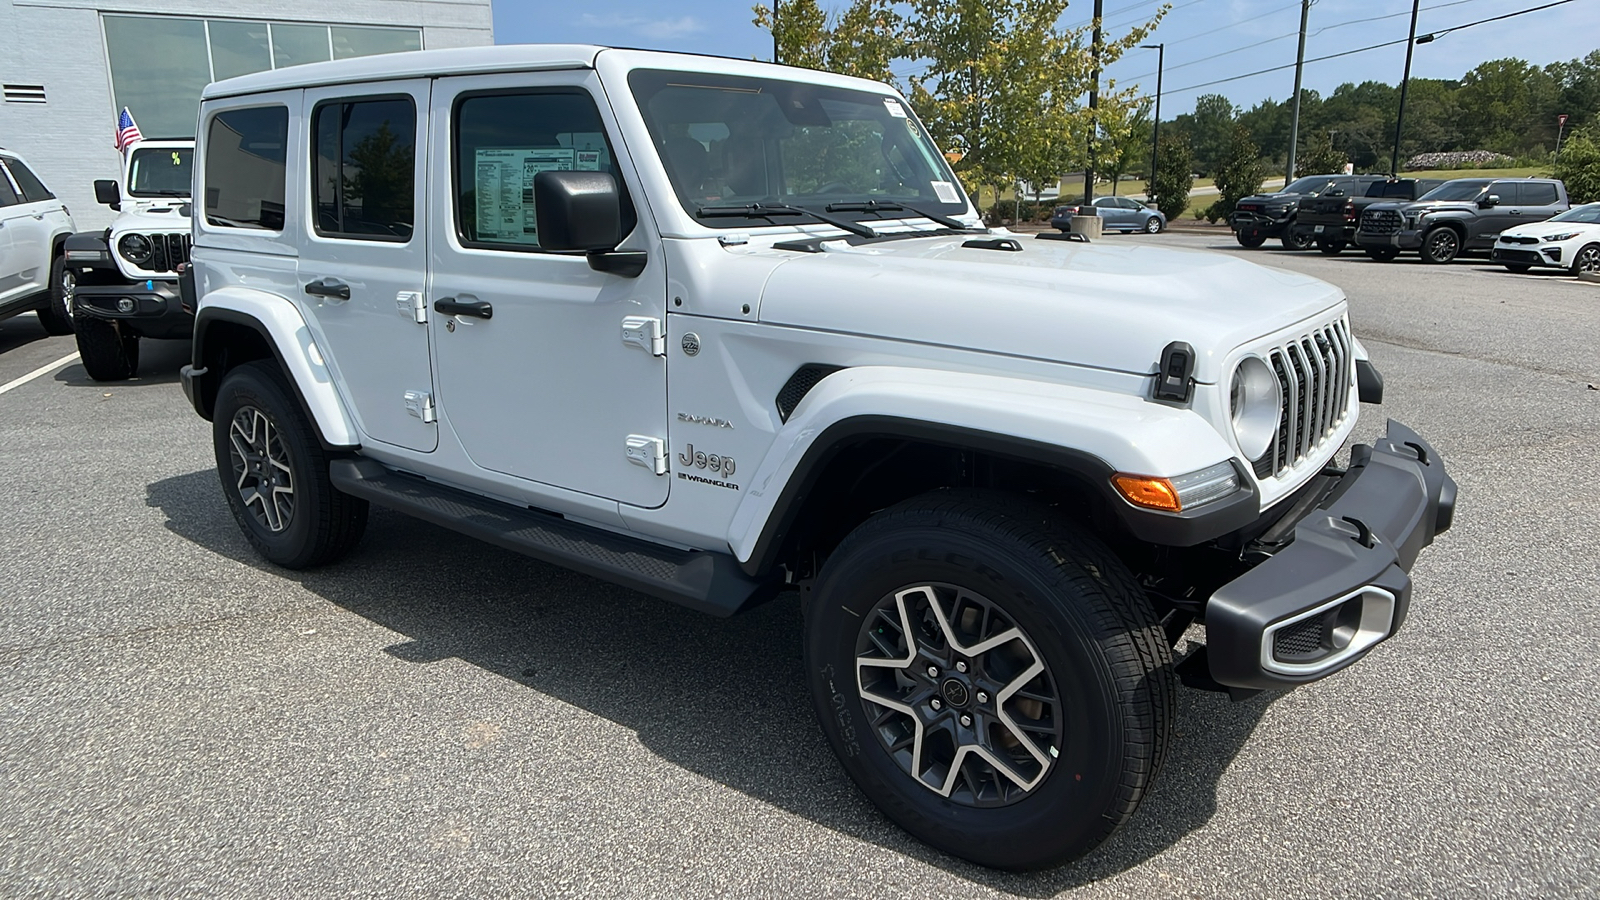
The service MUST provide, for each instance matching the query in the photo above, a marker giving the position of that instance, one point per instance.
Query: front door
(363, 264)
(27, 223)
(11, 285)
(538, 381)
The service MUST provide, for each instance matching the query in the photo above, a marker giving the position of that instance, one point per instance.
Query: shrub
(1239, 175)
(1174, 178)
(1578, 165)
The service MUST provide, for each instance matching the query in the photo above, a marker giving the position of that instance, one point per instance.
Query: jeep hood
(161, 217)
(1106, 305)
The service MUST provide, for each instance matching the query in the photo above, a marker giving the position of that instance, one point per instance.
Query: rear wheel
(108, 354)
(1440, 245)
(56, 314)
(1251, 239)
(1330, 247)
(1586, 259)
(991, 676)
(1381, 254)
(275, 474)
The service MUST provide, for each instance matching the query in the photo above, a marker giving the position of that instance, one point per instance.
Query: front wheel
(108, 353)
(1152, 225)
(56, 314)
(1330, 247)
(1586, 260)
(275, 474)
(1295, 240)
(1381, 254)
(1251, 239)
(991, 676)
(1440, 245)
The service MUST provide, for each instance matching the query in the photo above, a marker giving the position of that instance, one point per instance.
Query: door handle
(464, 305)
(328, 287)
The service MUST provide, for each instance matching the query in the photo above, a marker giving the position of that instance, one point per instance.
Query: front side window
(502, 140)
(33, 190)
(245, 174)
(160, 171)
(364, 168)
(730, 141)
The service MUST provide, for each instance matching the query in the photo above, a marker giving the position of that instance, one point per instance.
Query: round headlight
(135, 248)
(1255, 405)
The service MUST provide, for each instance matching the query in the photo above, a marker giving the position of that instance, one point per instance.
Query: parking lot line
(42, 370)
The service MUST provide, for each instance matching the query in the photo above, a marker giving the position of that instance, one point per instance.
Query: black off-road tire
(1440, 245)
(107, 353)
(259, 431)
(1330, 248)
(1293, 240)
(56, 314)
(1381, 254)
(1107, 664)
(1251, 239)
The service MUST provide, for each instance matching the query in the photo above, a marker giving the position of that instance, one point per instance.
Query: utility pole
(1155, 130)
(1094, 103)
(1405, 82)
(1299, 64)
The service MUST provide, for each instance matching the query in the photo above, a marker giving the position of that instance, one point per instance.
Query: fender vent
(799, 384)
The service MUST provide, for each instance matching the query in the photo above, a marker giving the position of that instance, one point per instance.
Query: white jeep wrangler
(715, 330)
(125, 278)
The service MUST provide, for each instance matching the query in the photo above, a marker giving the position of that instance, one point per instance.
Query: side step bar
(709, 582)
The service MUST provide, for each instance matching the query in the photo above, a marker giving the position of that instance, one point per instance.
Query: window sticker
(504, 189)
(894, 107)
(946, 192)
(589, 150)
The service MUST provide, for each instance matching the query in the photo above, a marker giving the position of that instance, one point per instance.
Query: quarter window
(244, 174)
(502, 140)
(33, 190)
(364, 168)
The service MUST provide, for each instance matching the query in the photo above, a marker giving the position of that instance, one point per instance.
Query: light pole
(1405, 81)
(1155, 130)
(1299, 66)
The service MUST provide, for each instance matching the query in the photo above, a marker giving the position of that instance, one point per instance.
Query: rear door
(10, 260)
(1538, 200)
(364, 261)
(1503, 215)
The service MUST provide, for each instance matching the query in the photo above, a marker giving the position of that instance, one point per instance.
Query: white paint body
(28, 231)
(1056, 344)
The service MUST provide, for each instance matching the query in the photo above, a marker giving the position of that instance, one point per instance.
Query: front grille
(1380, 221)
(1314, 380)
(1301, 640)
(1517, 239)
(168, 251)
(1248, 207)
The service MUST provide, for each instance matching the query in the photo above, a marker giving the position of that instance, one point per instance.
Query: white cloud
(655, 29)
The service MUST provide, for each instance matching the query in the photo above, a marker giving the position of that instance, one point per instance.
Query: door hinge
(420, 404)
(411, 304)
(645, 332)
(649, 452)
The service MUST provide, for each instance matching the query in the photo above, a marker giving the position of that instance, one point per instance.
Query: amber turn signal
(1151, 493)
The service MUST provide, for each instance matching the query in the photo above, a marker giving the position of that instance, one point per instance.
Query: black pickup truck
(1329, 219)
(1262, 216)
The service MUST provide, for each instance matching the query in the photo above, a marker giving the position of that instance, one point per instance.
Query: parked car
(581, 316)
(127, 275)
(1460, 215)
(1330, 219)
(1569, 241)
(1116, 214)
(1262, 216)
(33, 227)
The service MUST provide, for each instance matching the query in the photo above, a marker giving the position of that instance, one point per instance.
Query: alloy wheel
(69, 288)
(958, 695)
(261, 468)
(1442, 245)
(1588, 259)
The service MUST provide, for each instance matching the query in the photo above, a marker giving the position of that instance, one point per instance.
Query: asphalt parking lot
(436, 717)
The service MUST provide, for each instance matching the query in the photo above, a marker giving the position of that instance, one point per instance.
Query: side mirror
(1489, 202)
(106, 192)
(577, 210)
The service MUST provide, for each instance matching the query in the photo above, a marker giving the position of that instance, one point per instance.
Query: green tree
(1496, 102)
(860, 41)
(1578, 165)
(1124, 145)
(1239, 174)
(1174, 174)
(1316, 155)
(1208, 128)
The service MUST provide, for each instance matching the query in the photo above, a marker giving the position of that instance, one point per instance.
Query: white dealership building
(67, 67)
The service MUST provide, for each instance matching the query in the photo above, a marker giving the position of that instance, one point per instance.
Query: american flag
(127, 130)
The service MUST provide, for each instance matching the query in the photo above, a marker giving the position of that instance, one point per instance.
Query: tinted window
(160, 171)
(1537, 193)
(8, 196)
(32, 188)
(1589, 215)
(1311, 184)
(1460, 189)
(364, 168)
(502, 141)
(244, 173)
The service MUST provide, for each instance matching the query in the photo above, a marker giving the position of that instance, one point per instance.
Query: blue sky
(1194, 30)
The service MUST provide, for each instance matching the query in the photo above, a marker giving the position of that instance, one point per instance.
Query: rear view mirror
(1489, 202)
(106, 192)
(577, 210)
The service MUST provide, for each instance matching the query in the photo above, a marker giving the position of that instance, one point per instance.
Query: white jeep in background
(717, 330)
(34, 226)
(124, 279)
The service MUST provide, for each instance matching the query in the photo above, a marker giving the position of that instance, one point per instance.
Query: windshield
(729, 141)
(160, 171)
(1461, 189)
(1311, 184)
(1585, 215)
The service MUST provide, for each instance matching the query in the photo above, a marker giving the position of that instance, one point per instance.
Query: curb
(1591, 277)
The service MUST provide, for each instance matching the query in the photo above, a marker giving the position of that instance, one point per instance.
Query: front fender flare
(1092, 433)
(284, 330)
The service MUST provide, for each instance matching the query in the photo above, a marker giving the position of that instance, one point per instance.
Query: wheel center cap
(955, 693)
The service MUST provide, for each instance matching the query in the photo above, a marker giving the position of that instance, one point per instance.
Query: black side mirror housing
(1489, 202)
(577, 210)
(107, 193)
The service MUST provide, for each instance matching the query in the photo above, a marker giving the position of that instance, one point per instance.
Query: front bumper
(1400, 240)
(1527, 255)
(1327, 232)
(157, 310)
(1342, 585)
(1259, 223)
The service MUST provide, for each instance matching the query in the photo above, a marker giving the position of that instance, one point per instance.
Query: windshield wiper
(768, 210)
(873, 206)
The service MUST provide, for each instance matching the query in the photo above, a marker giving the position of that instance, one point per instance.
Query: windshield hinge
(646, 333)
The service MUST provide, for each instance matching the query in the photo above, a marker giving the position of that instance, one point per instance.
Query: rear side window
(502, 140)
(1537, 193)
(33, 189)
(244, 174)
(364, 168)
